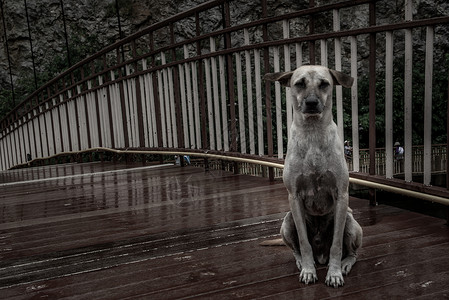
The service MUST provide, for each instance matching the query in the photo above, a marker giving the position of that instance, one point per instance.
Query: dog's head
(311, 88)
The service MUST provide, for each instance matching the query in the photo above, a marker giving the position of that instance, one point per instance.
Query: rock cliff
(93, 24)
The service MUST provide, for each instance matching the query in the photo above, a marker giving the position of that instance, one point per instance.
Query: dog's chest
(318, 191)
(311, 169)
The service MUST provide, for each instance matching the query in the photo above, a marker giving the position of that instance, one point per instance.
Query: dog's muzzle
(312, 105)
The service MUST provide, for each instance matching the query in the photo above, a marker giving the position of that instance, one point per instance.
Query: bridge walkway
(122, 231)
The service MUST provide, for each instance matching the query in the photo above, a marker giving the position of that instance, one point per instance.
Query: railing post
(447, 139)
(18, 146)
(236, 168)
(109, 104)
(157, 106)
(206, 164)
(389, 161)
(266, 59)
(177, 95)
(74, 94)
(355, 107)
(408, 90)
(27, 136)
(67, 120)
(53, 136)
(230, 71)
(58, 109)
(33, 131)
(427, 163)
(372, 100)
(271, 174)
(122, 99)
(97, 106)
(138, 99)
(201, 86)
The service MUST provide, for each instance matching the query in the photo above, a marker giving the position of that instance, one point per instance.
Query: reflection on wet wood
(112, 231)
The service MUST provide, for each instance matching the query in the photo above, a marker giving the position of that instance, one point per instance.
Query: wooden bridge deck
(114, 231)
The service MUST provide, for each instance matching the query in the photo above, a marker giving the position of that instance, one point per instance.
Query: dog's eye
(301, 84)
(324, 85)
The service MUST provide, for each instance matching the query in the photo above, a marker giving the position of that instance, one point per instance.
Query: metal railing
(157, 91)
(438, 161)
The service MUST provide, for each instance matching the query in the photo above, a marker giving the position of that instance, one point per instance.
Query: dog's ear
(282, 77)
(341, 78)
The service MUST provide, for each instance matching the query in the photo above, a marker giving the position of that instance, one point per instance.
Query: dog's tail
(276, 242)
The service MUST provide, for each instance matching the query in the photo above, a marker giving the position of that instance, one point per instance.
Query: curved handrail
(428, 195)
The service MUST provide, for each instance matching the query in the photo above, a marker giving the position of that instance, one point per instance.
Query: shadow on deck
(114, 231)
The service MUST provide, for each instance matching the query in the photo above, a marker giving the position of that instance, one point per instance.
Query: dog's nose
(311, 101)
(311, 104)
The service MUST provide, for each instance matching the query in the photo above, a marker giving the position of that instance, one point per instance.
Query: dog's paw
(308, 275)
(346, 264)
(334, 278)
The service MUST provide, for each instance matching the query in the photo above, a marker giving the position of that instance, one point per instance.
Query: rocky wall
(93, 24)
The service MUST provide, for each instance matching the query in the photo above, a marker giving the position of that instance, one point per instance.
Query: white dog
(320, 226)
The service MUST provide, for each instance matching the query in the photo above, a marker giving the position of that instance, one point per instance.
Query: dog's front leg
(334, 275)
(306, 264)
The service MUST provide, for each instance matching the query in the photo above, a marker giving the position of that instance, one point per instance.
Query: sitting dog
(320, 226)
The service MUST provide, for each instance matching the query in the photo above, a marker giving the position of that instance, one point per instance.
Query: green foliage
(439, 104)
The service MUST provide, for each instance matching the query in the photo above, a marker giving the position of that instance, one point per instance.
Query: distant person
(398, 151)
(186, 159)
(348, 150)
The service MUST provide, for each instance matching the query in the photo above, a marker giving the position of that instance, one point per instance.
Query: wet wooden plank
(173, 232)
